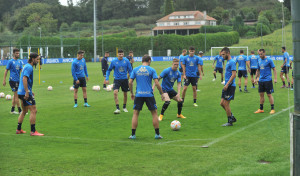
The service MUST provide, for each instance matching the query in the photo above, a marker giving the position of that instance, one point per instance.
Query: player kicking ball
(79, 73)
(144, 75)
(121, 66)
(229, 88)
(169, 76)
(264, 73)
(27, 96)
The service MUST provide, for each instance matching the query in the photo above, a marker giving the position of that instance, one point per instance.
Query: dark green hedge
(140, 45)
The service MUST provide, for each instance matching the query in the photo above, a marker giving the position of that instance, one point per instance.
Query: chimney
(204, 12)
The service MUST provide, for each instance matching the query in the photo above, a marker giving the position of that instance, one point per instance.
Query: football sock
(253, 84)
(182, 100)
(75, 101)
(19, 126)
(19, 109)
(221, 79)
(104, 85)
(195, 100)
(292, 86)
(85, 100)
(179, 106)
(283, 82)
(124, 106)
(261, 106)
(289, 84)
(164, 108)
(157, 131)
(272, 106)
(133, 132)
(33, 128)
(215, 76)
(240, 88)
(117, 105)
(12, 109)
(229, 119)
(245, 88)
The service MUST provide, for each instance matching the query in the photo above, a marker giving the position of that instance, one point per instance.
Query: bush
(262, 28)
(215, 29)
(140, 26)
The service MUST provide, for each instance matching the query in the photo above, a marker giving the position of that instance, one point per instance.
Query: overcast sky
(65, 2)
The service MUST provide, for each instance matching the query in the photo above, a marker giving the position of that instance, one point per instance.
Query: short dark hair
(107, 52)
(130, 51)
(262, 50)
(80, 52)
(146, 58)
(252, 52)
(192, 48)
(32, 56)
(175, 60)
(241, 51)
(184, 50)
(283, 48)
(226, 49)
(16, 50)
(120, 51)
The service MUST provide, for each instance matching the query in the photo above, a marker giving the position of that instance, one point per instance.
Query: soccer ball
(108, 88)
(175, 125)
(8, 97)
(71, 88)
(97, 88)
(50, 88)
(2, 95)
(94, 87)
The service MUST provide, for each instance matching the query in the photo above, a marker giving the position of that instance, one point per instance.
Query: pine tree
(169, 7)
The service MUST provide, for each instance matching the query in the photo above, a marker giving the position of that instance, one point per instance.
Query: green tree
(169, 7)
(217, 14)
(155, 7)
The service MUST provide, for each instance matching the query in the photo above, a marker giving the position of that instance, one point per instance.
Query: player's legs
(164, 107)
(246, 83)
(32, 119)
(240, 83)
(23, 113)
(222, 76)
(75, 97)
(262, 98)
(226, 106)
(116, 97)
(85, 97)
(271, 100)
(135, 117)
(155, 124)
(215, 75)
(252, 81)
(194, 92)
(288, 79)
(282, 79)
(125, 101)
(184, 92)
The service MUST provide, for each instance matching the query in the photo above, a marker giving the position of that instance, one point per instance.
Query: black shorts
(171, 93)
(198, 75)
(266, 86)
(82, 83)
(220, 70)
(104, 73)
(29, 102)
(180, 70)
(253, 71)
(14, 85)
(123, 83)
(229, 93)
(285, 69)
(139, 102)
(190, 80)
(242, 73)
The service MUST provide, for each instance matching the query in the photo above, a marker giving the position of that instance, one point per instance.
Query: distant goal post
(240, 47)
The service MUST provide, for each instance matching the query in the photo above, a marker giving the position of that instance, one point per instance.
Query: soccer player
(104, 63)
(27, 96)
(242, 60)
(169, 76)
(15, 67)
(121, 66)
(264, 73)
(219, 67)
(181, 57)
(285, 68)
(200, 54)
(190, 65)
(229, 87)
(131, 60)
(253, 66)
(144, 93)
(292, 82)
(80, 76)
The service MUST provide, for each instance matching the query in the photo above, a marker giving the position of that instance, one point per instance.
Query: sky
(65, 2)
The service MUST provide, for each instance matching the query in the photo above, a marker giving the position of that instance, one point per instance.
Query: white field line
(183, 140)
(244, 128)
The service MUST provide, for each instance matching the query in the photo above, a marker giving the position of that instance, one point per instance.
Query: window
(181, 17)
(186, 23)
(176, 24)
(172, 17)
(198, 22)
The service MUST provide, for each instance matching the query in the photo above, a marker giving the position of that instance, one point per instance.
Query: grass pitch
(93, 141)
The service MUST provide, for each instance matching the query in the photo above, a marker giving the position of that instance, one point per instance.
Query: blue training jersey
(191, 65)
(169, 77)
(220, 61)
(230, 66)
(265, 66)
(79, 69)
(28, 72)
(144, 75)
(15, 67)
(120, 67)
(242, 59)
(181, 57)
(287, 57)
(253, 61)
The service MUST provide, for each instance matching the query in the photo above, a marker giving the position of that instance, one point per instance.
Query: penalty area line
(244, 128)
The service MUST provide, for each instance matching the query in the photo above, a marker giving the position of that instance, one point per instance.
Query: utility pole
(95, 37)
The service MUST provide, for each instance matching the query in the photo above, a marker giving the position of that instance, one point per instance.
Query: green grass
(93, 141)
